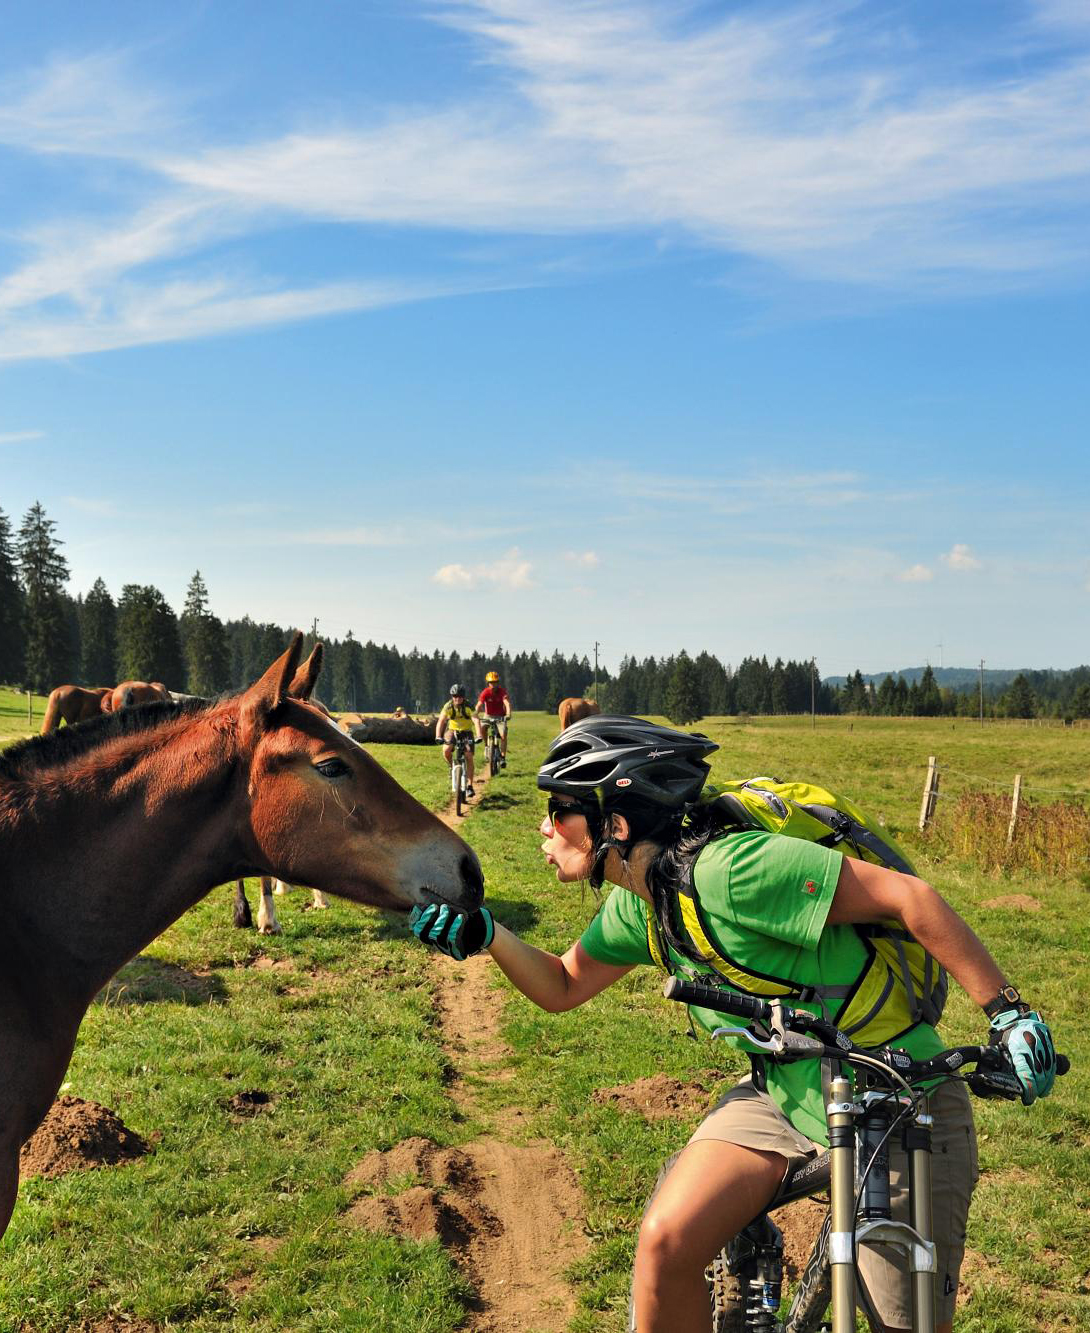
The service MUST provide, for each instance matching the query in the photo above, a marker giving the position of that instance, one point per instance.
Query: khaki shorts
(752, 1120)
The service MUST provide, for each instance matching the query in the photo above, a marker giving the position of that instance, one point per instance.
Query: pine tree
(204, 643)
(11, 609)
(98, 636)
(683, 692)
(1020, 700)
(148, 646)
(930, 695)
(44, 572)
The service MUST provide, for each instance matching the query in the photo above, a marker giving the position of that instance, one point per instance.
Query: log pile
(389, 730)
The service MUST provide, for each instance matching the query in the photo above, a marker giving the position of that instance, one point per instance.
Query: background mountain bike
(493, 745)
(463, 742)
(889, 1096)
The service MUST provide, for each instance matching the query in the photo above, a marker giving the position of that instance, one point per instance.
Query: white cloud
(584, 559)
(960, 557)
(360, 536)
(509, 571)
(799, 137)
(916, 574)
(20, 436)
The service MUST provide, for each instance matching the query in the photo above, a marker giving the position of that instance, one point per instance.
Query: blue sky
(756, 328)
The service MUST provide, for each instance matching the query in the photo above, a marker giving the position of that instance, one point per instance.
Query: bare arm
(552, 982)
(867, 893)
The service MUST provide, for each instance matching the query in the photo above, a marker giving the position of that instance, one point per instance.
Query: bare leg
(713, 1190)
(267, 924)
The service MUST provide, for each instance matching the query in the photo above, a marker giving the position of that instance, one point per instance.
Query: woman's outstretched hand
(457, 934)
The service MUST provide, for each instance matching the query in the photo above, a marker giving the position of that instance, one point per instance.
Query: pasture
(239, 1217)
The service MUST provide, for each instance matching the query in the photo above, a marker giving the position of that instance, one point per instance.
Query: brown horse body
(72, 704)
(131, 692)
(110, 831)
(574, 710)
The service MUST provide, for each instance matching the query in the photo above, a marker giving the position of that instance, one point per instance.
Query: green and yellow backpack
(899, 985)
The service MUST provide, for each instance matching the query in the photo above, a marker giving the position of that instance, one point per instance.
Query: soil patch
(656, 1097)
(1014, 902)
(148, 980)
(78, 1136)
(800, 1223)
(503, 1210)
(251, 1102)
(263, 963)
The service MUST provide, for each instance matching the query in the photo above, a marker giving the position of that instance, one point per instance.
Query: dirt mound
(656, 1097)
(490, 1203)
(250, 1102)
(149, 980)
(77, 1136)
(800, 1223)
(1014, 902)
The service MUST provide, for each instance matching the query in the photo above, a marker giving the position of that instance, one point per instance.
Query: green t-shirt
(765, 899)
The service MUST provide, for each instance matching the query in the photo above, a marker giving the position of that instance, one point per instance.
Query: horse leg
(279, 887)
(319, 901)
(267, 924)
(243, 919)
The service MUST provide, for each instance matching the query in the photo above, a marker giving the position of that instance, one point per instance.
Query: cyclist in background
(496, 705)
(624, 807)
(456, 715)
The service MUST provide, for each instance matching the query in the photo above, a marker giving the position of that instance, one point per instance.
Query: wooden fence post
(29, 714)
(1015, 802)
(930, 791)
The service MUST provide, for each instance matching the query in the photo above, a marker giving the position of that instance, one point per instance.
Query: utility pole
(982, 691)
(813, 710)
(596, 670)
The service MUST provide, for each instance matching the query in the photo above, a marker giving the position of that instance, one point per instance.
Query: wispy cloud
(583, 559)
(20, 436)
(916, 574)
(89, 505)
(800, 137)
(960, 557)
(509, 571)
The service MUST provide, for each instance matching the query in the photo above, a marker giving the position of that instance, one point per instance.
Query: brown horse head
(574, 710)
(325, 814)
(131, 692)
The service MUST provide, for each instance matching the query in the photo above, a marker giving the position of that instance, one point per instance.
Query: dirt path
(527, 1188)
(509, 1211)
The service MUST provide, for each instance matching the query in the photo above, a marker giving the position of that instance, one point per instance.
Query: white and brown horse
(109, 831)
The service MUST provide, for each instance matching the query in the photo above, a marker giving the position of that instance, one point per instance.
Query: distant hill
(953, 678)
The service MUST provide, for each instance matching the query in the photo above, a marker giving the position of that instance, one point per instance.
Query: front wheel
(494, 758)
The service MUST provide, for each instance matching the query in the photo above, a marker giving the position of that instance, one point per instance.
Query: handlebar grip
(711, 997)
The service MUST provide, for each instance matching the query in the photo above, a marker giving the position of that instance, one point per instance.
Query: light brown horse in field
(132, 692)
(72, 704)
(268, 923)
(111, 830)
(575, 710)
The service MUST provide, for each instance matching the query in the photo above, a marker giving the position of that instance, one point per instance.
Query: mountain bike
(888, 1096)
(463, 742)
(493, 741)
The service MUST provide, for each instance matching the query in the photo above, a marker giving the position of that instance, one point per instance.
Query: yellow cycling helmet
(493, 677)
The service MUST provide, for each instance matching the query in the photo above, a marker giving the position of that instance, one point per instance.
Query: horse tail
(52, 719)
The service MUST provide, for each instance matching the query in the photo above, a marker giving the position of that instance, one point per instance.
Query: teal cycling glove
(457, 934)
(1030, 1047)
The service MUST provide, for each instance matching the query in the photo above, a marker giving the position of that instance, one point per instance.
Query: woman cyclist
(624, 807)
(456, 715)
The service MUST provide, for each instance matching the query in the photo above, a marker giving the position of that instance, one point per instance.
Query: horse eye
(333, 768)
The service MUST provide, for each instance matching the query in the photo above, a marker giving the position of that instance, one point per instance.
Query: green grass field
(237, 1223)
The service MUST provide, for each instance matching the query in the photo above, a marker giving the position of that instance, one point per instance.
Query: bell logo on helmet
(624, 782)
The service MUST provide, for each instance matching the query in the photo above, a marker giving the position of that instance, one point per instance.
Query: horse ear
(302, 685)
(269, 692)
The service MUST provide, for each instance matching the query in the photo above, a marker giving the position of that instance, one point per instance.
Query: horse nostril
(472, 877)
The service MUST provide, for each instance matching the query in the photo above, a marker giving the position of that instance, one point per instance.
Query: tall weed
(1050, 838)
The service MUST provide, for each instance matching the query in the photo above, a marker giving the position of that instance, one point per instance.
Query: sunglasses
(560, 810)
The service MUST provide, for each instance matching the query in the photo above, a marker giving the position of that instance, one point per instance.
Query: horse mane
(41, 753)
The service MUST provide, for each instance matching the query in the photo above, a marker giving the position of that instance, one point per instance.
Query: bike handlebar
(994, 1077)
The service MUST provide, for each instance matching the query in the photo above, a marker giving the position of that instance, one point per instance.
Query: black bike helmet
(618, 762)
(456, 690)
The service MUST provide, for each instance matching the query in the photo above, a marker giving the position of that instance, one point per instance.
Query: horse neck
(120, 843)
